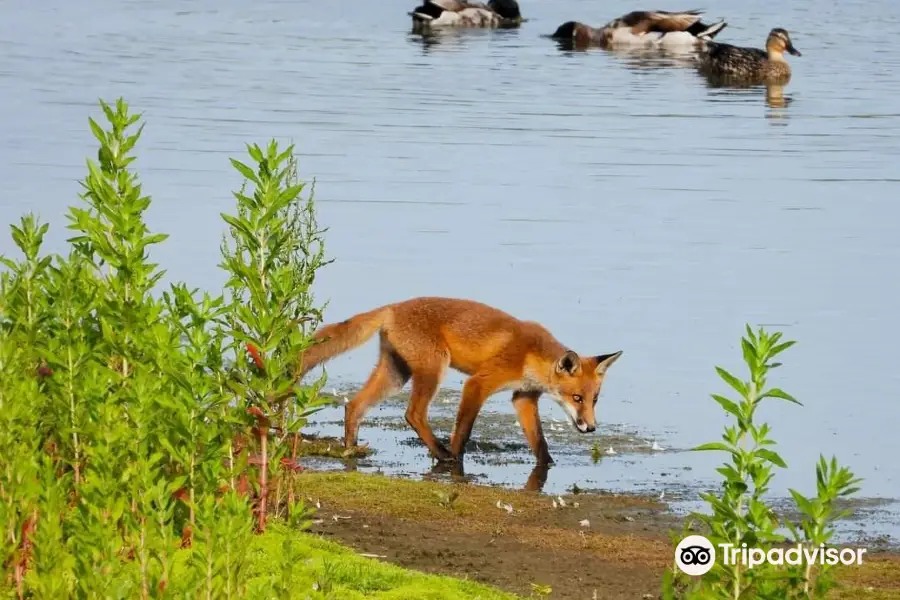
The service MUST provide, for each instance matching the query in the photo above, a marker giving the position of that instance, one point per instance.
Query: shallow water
(620, 458)
(623, 203)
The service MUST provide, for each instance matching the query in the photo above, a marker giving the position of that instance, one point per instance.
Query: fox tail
(335, 339)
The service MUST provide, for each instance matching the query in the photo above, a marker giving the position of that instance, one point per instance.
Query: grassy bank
(300, 565)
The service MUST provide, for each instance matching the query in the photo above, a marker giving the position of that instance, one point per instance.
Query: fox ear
(569, 363)
(604, 360)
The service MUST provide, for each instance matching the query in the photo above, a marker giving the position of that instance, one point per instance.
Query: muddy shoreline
(596, 526)
(580, 546)
(621, 460)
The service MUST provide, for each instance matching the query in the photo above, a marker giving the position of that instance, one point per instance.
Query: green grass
(307, 566)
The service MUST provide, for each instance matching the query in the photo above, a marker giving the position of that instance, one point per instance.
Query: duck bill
(792, 50)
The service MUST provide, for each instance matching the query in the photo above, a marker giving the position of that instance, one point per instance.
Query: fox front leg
(526, 405)
(476, 391)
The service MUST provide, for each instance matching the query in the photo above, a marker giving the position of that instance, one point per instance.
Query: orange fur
(421, 338)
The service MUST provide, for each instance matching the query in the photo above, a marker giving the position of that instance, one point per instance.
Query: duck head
(508, 9)
(779, 42)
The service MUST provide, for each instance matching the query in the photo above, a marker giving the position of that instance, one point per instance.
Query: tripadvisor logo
(696, 555)
(794, 555)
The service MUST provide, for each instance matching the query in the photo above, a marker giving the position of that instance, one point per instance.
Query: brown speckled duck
(642, 28)
(434, 14)
(749, 65)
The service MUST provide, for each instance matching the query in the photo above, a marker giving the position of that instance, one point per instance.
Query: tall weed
(739, 513)
(126, 408)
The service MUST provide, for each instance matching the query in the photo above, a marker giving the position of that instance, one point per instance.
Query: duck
(466, 13)
(749, 65)
(642, 28)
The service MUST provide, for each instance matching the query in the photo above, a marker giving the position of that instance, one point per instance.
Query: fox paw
(446, 457)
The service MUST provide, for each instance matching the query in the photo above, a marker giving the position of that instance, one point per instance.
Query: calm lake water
(623, 203)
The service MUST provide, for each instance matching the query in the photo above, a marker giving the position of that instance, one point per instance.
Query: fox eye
(577, 398)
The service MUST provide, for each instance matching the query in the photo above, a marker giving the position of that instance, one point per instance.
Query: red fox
(421, 337)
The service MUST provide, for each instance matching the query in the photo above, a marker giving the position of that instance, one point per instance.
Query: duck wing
(449, 5)
(642, 21)
(720, 59)
(728, 53)
(432, 9)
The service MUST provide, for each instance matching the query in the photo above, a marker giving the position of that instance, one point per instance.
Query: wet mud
(595, 525)
(619, 458)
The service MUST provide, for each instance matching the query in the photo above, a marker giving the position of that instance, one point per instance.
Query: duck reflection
(773, 92)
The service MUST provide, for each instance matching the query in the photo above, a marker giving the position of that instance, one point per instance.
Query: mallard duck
(464, 13)
(724, 61)
(643, 28)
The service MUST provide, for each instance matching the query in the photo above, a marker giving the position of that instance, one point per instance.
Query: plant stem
(263, 478)
(209, 568)
(71, 390)
(293, 462)
(191, 518)
(145, 588)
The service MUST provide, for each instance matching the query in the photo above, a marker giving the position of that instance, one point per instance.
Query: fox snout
(584, 427)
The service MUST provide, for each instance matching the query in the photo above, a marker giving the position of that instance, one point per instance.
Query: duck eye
(577, 398)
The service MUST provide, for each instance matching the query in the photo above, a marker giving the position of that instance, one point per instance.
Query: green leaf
(244, 170)
(803, 503)
(771, 456)
(728, 405)
(289, 194)
(97, 131)
(668, 585)
(780, 348)
(255, 153)
(777, 393)
(713, 446)
(733, 381)
(239, 224)
(156, 238)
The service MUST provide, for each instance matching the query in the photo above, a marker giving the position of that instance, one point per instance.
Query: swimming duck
(720, 60)
(643, 28)
(465, 13)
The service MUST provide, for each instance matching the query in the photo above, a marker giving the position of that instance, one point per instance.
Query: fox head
(575, 385)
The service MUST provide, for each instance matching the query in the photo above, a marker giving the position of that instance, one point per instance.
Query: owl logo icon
(695, 555)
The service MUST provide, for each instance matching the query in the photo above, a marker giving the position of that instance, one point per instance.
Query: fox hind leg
(389, 376)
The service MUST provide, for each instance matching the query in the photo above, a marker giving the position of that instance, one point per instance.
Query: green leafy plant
(274, 253)
(739, 513)
(121, 402)
(325, 580)
(596, 454)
